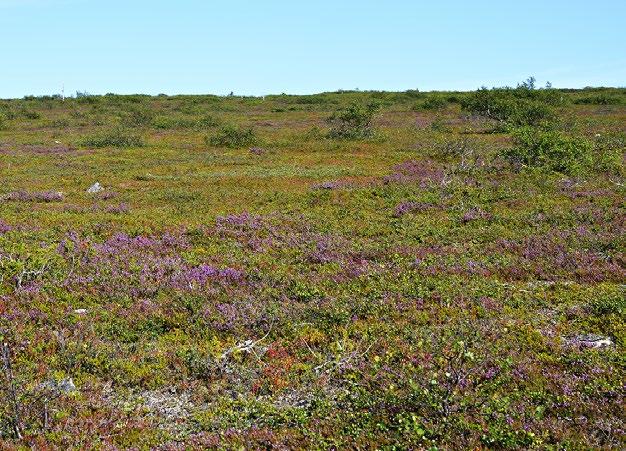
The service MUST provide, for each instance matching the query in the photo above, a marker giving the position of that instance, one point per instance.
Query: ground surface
(413, 289)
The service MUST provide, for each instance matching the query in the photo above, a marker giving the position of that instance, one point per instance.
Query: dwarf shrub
(233, 137)
(609, 152)
(434, 103)
(551, 150)
(519, 107)
(600, 99)
(117, 137)
(504, 106)
(29, 114)
(353, 122)
(179, 122)
(138, 117)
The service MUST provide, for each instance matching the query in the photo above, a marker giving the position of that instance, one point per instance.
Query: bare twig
(246, 346)
(12, 390)
(344, 360)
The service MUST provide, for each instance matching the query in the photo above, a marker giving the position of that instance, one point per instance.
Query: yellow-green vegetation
(370, 270)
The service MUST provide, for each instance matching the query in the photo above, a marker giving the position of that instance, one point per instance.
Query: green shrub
(609, 151)
(413, 93)
(85, 97)
(168, 122)
(117, 137)
(3, 121)
(551, 150)
(353, 122)
(316, 99)
(138, 117)
(7, 112)
(504, 106)
(207, 121)
(529, 113)
(600, 99)
(434, 103)
(60, 123)
(178, 122)
(519, 107)
(233, 137)
(29, 114)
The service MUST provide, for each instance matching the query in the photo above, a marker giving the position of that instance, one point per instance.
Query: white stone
(95, 188)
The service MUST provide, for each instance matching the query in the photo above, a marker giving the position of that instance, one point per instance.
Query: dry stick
(6, 360)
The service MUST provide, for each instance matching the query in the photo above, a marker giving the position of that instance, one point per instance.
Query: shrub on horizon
(519, 107)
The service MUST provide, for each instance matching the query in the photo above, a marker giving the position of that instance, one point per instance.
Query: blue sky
(272, 46)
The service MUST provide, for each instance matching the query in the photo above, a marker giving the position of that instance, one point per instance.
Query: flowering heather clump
(107, 195)
(287, 236)
(121, 208)
(474, 214)
(139, 266)
(4, 227)
(550, 257)
(257, 150)
(410, 207)
(424, 172)
(56, 149)
(250, 230)
(38, 196)
(262, 232)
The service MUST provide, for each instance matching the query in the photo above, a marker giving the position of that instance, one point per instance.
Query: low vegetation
(353, 122)
(233, 137)
(117, 137)
(259, 273)
(552, 150)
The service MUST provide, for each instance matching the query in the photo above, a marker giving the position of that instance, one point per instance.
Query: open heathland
(343, 270)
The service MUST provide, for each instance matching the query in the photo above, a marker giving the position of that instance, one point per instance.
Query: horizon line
(78, 94)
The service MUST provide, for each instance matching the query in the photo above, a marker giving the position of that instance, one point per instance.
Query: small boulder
(95, 188)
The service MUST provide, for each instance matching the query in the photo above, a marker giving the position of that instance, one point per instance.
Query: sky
(258, 47)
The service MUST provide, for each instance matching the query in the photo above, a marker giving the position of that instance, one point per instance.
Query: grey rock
(95, 188)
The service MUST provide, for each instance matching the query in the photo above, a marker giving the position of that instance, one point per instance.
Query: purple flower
(257, 150)
(40, 196)
(491, 373)
(117, 209)
(409, 207)
(425, 173)
(474, 214)
(4, 227)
